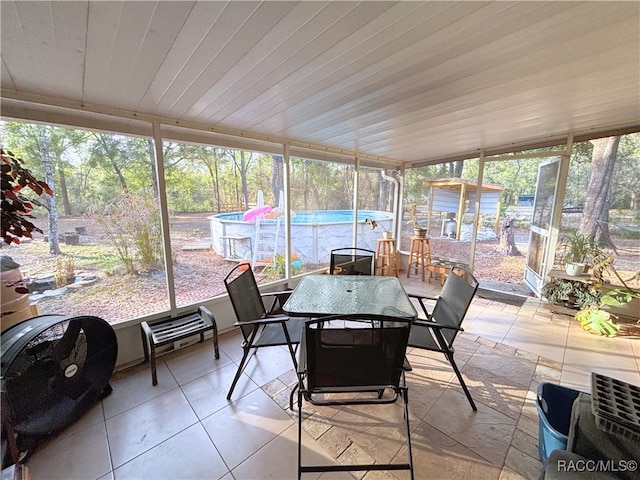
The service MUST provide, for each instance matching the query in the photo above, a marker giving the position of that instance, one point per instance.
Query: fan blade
(68, 341)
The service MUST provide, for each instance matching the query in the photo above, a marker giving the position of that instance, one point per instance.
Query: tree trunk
(47, 167)
(154, 172)
(216, 183)
(596, 208)
(455, 169)
(507, 239)
(243, 178)
(65, 194)
(384, 193)
(277, 177)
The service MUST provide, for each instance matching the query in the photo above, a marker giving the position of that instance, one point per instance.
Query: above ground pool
(314, 233)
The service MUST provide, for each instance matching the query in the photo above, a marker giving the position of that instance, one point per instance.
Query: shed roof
(456, 183)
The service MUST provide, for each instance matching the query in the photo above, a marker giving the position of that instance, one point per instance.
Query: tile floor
(184, 428)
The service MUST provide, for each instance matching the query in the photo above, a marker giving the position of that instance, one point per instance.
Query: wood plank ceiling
(406, 82)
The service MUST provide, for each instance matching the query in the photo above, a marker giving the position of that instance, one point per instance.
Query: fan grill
(53, 377)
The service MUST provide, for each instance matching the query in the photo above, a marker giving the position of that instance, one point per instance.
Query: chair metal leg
(154, 374)
(461, 380)
(299, 431)
(239, 372)
(405, 397)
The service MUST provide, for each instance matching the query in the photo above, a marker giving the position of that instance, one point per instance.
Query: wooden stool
(386, 257)
(438, 269)
(419, 254)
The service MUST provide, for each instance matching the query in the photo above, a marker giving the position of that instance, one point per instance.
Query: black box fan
(54, 368)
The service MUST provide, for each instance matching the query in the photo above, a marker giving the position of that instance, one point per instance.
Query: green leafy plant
(594, 317)
(570, 293)
(579, 248)
(17, 207)
(278, 268)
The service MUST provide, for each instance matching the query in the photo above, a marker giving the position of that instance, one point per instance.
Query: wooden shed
(458, 196)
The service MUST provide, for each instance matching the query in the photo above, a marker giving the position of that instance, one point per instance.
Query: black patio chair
(439, 329)
(352, 261)
(260, 327)
(353, 359)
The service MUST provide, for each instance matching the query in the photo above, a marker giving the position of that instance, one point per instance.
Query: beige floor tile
(241, 429)
(268, 363)
(516, 369)
(190, 363)
(609, 356)
(377, 430)
(437, 456)
(510, 474)
(208, 394)
(527, 466)
(231, 344)
(94, 416)
(526, 443)
(541, 338)
(576, 378)
(189, 454)
(80, 456)
(135, 431)
(133, 387)
(487, 432)
(490, 325)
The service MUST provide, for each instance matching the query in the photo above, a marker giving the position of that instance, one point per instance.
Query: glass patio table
(323, 295)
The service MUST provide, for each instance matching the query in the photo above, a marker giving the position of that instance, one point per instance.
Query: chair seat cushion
(274, 334)
(421, 337)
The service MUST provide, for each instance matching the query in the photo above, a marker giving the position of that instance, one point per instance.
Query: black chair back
(354, 360)
(454, 301)
(368, 351)
(352, 261)
(245, 296)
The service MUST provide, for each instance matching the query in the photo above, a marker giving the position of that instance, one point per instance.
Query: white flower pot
(574, 269)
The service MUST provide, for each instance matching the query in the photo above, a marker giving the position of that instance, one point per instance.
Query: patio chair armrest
(430, 324)
(280, 292)
(263, 321)
(421, 299)
(278, 300)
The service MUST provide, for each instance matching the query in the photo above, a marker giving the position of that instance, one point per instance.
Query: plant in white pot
(579, 250)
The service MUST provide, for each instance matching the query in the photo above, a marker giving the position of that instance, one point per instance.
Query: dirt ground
(199, 273)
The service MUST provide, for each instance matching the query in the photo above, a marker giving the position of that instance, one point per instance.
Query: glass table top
(319, 295)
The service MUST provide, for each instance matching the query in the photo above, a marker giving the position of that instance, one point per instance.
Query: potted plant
(578, 250)
(373, 224)
(278, 268)
(418, 230)
(571, 294)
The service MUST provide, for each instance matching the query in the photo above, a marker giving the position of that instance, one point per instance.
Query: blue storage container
(554, 414)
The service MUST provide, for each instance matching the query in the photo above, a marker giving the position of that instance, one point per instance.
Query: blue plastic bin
(554, 413)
